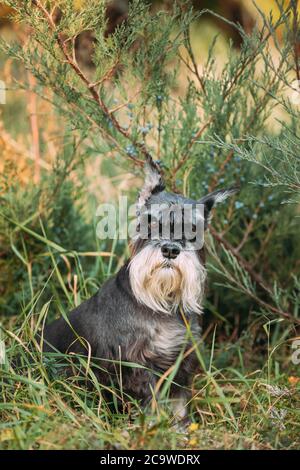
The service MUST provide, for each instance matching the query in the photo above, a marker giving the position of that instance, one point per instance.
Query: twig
(264, 243)
(255, 276)
(195, 70)
(295, 34)
(185, 156)
(108, 74)
(32, 107)
(122, 105)
(248, 230)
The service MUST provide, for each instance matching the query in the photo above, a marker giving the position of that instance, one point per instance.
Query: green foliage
(221, 125)
(234, 122)
(27, 261)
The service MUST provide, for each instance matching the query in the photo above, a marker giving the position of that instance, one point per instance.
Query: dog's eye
(153, 227)
(191, 237)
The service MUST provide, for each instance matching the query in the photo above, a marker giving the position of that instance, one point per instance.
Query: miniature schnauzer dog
(148, 313)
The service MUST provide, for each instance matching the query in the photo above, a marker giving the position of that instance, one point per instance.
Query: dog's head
(165, 270)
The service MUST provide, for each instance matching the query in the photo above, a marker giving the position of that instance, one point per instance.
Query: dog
(148, 313)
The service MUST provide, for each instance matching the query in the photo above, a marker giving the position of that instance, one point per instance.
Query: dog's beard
(164, 285)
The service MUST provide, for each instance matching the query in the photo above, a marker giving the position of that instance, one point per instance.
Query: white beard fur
(165, 289)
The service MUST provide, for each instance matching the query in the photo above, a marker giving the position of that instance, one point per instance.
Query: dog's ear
(211, 199)
(153, 183)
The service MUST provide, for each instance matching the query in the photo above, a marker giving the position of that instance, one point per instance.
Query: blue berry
(131, 150)
(144, 130)
(238, 204)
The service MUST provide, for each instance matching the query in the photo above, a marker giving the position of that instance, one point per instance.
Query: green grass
(229, 410)
(241, 400)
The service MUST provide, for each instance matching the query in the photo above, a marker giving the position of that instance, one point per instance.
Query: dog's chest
(167, 339)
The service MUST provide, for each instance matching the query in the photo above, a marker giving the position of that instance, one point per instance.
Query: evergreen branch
(264, 244)
(186, 155)
(76, 106)
(295, 38)
(226, 92)
(193, 69)
(246, 61)
(92, 87)
(260, 106)
(248, 229)
(254, 276)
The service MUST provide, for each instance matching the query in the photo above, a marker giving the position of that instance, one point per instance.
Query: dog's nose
(170, 251)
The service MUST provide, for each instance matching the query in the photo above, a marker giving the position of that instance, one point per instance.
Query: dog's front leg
(140, 384)
(179, 404)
